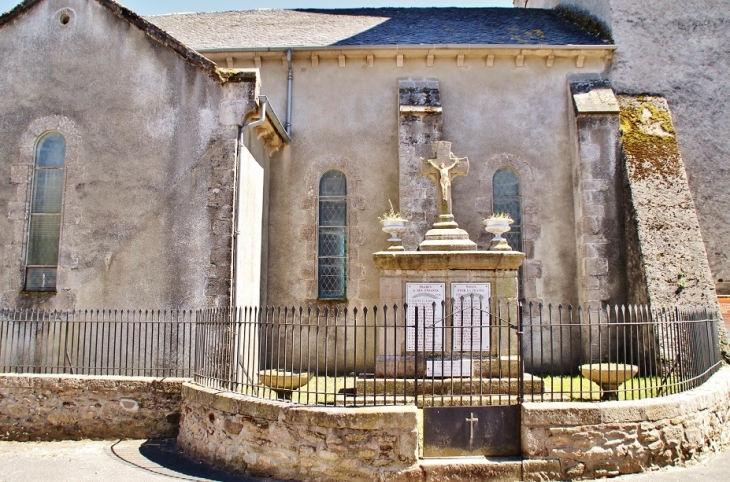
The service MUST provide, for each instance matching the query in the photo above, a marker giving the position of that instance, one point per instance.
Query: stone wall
(585, 440)
(68, 407)
(277, 439)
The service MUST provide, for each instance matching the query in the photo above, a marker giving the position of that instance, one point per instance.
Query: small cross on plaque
(472, 420)
(443, 169)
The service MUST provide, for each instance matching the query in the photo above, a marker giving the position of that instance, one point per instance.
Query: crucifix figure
(443, 169)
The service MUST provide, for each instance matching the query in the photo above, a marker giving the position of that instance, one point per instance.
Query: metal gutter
(409, 47)
(274, 119)
(290, 81)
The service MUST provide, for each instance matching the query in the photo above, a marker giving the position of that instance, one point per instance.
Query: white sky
(154, 7)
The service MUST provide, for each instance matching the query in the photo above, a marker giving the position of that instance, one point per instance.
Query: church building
(244, 158)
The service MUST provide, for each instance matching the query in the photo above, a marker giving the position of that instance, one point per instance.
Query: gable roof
(152, 31)
(315, 28)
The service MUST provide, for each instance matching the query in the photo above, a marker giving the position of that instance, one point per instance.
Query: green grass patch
(577, 387)
(647, 387)
(582, 389)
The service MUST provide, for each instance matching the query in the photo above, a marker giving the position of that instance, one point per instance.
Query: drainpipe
(290, 82)
(241, 131)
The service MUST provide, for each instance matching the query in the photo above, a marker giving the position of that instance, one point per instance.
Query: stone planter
(283, 382)
(497, 227)
(609, 376)
(395, 227)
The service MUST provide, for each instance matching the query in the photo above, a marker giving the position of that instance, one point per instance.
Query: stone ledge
(89, 382)
(363, 418)
(451, 260)
(712, 392)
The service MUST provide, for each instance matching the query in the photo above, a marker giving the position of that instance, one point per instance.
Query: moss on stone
(649, 140)
(585, 22)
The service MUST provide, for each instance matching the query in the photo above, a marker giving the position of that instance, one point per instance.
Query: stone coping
(449, 260)
(88, 382)
(714, 391)
(364, 418)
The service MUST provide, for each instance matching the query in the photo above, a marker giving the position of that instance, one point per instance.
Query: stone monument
(446, 270)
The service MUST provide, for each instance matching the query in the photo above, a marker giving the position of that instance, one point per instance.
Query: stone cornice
(448, 260)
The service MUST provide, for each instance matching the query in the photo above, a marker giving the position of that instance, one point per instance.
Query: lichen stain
(649, 141)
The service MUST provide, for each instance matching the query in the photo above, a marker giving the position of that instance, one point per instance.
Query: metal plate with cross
(471, 431)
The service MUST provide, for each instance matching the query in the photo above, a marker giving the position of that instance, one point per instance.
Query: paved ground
(86, 461)
(158, 461)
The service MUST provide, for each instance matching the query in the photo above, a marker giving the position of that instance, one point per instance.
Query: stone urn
(498, 225)
(609, 376)
(395, 227)
(283, 382)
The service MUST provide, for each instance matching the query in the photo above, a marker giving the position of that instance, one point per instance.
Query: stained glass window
(45, 213)
(332, 236)
(506, 198)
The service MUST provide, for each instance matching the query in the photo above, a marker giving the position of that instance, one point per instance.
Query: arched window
(332, 236)
(46, 205)
(506, 198)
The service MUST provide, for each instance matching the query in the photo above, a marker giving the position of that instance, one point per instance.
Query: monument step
(405, 366)
(447, 386)
(427, 401)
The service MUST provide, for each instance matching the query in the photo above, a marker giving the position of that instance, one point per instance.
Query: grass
(582, 389)
(325, 390)
(579, 388)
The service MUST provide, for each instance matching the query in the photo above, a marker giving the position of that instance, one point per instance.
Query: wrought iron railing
(458, 353)
(98, 342)
(499, 353)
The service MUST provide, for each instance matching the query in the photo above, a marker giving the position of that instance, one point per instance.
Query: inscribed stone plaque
(421, 298)
(471, 319)
(448, 368)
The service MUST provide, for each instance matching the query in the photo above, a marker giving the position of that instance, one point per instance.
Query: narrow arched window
(332, 236)
(506, 198)
(46, 205)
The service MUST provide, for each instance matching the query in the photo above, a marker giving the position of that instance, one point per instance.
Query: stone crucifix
(443, 169)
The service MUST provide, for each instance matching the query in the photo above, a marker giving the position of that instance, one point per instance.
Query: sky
(156, 7)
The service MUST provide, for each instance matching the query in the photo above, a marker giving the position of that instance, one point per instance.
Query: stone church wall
(679, 50)
(151, 149)
(346, 117)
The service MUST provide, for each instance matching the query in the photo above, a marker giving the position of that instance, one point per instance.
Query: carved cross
(443, 169)
(471, 420)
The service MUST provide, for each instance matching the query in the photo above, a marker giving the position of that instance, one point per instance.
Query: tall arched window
(45, 213)
(506, 198)
(332, 236)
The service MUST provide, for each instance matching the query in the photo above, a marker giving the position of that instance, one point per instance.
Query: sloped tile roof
(271, 28)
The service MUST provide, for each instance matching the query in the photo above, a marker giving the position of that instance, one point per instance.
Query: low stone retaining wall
(277, 439)
(590, 440)
(68, 407)
(560, 441)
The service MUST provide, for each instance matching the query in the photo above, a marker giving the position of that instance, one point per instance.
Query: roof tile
(271, 28)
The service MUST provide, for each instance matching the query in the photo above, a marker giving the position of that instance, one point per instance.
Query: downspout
(239, 148)
(290, 82)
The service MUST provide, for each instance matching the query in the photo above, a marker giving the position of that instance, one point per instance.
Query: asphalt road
(160, 460)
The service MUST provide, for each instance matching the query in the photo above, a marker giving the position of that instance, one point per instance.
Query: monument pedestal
(448, 274)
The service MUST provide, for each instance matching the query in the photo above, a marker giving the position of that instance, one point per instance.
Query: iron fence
(98, 342)
(459, 353)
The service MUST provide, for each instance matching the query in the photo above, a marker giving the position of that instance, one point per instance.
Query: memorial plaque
(421, 298)
(471, 319)
(448, 368)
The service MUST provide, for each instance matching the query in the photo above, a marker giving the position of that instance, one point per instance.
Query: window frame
(322, 294)
(32, 270)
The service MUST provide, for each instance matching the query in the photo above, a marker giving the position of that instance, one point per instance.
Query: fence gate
(472, 388)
